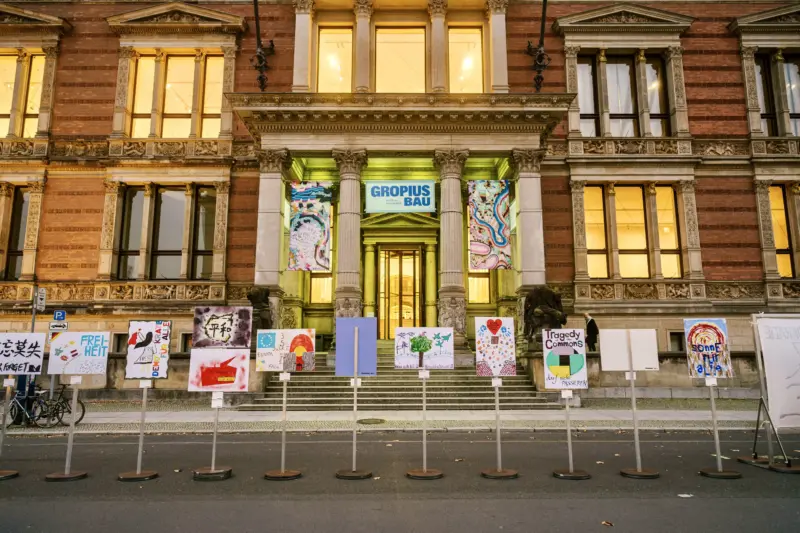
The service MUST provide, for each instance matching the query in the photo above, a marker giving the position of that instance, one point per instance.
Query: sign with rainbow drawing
(707, 348)
(285, 350)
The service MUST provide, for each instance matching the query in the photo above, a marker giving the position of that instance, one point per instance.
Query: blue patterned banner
(489, 225)
(310, 226)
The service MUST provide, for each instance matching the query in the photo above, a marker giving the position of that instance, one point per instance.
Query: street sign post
(59, 316)
(41, 299)
(59, 326)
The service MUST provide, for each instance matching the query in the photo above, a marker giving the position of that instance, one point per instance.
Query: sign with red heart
(495, 349)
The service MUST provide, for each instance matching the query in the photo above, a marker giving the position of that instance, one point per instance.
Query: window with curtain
(792, 71)
(780, 230)
(631, 232)
(168, 231)
(32, 95)
(765, 95)
(400, 60)
(595, 217)
(465, 60)
(131, 234)
(335, 60)
(205, 209)
(668, 235)
(657, 97)
(587, 97)
(620, 75)
(478, 290)
(16, 237)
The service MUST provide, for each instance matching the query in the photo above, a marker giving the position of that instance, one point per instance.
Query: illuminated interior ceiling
(322, 168)
(399, 4)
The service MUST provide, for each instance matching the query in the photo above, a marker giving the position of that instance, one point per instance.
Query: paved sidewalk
(232, 421)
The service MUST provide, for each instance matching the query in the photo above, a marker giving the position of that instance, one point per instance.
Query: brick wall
(557, 214)
(242, 221)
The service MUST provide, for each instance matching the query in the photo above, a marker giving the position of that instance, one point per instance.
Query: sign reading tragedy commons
(402, 196)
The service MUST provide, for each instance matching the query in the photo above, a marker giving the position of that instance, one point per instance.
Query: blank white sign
(614, 348)
(780, 347)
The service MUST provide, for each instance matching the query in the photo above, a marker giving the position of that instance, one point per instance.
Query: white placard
(79, 352)
(217, 403)
(148, 349)
(630, 375)
(145, 384)
(424, 374)
(75, 380)
(711, 381)
(497, 382)
(284, 376)
(21, 353)
(614, 349)
(401, 196)
(780, 348)
(285, 350)
(566, 393)
(355, 382)
(217, 395)
(564, 359)
(428, 348)
(9, 382)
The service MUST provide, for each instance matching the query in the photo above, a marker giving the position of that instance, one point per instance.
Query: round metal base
(748, 460)
(644, 473)
(286, 475)
(493, 473)
(220, 473)
(430, 473)
(144, 475)
(713, 473)
(8, 474)
(61, 476)
(353, 474)
(781, 468)
(575, 475)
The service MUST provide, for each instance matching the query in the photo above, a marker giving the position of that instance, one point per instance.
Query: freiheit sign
(401, 196)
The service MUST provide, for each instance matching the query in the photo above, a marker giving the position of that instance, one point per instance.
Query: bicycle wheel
(65, 413)
(13, 414)
(45, 413)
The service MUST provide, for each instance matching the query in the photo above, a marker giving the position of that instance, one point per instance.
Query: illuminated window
(597, 252)
(335, 60)
(631, 232)
(657, 97)
(466, 60)
(168, 234)
(478, 286)
(177, 119)
(32, 95)
(780, 230)
(16, 238)
(668, 236)
(143, 96)
(8, 71)
(587, 97)
(203, 247)
(131, 235)
(212, 97)
(400, 60)
(321, 288)
(792, 71)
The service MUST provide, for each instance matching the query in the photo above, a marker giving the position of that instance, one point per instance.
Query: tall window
(466, 60)
(177, 116)
(143, 97)
(335, 60)
(478, 286)
(400, 60)
(168, 234)
(16, 238)
(631, 232)
(792, 71)
(622, 97)
(587, 97)
(765, 96)
(212, 97)
(780, 230)
(595, 213)
(657, 97)
(203, 246)
(668, 236)
(32, 95)
(131, 235)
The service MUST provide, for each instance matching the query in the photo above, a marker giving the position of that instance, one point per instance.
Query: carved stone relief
(453, 314)
(603, 292)
(735, 291)
(641, 291)
(347, 308)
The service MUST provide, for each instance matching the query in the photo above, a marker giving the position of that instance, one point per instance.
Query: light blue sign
(367, 346)
(401, 196)
(59, 316)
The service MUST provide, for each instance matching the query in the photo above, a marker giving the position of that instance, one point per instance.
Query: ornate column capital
(222, 187)
(576, 186)
(50, 52)
(437, 7)
(795, 188)
(350, 162)
(450, 161)
(496, 7)
(650, 188)
(304, 6)
(527, 160)
(571, 51)
(36, 186)
(674, 52)
(127, 52)
(160, 55)
(229, 52)
(641, 57)
(362, 8)
(149, 189)
(762, 186)
(274, 160)
(6, 189)
(113, 187)
(777, 57)
(22, 55)
(748, 52)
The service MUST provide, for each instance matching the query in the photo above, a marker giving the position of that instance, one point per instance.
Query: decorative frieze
(603, 292)
(80, 149)
(641, 291)
(720, 148)
(735, 291)
(157, 148)
(677, 291)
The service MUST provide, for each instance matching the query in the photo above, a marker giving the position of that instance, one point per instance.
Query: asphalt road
(461, 502)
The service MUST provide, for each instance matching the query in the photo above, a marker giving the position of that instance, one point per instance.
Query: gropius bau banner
(401, 196)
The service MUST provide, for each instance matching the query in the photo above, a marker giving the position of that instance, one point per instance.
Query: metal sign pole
(214, 473)
(6, 474)
(283, 430)
(68, 474)
(214, 440)
(498, 472)
(570, 474)
(425, 473)
(354, 473)
(283, 474)
(639, 473)
(140, 475)
(497, 428)
(716, 473)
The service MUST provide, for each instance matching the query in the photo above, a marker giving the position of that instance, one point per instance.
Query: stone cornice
(14, 20)
(627, 18)
(176, 17)
(781, 20)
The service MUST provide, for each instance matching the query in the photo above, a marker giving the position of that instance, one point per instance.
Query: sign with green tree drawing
(423, 348)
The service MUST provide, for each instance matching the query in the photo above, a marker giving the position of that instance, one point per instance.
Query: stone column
(188, 230)
(651, 220)
(579, 231)
(602, 95)
(6, 205)
(496, 13)
(228, 71)
(530, 223)
(348, 271)
(571, 65)
(611, 218)
(690, 233)
(197, 94)
(220, 230)
(768, 254)
(751, 89)
(46, 100)
(148, 210)
(641, 94)
(793, 207)
(781, 96)
(452, 291)
(679, 112)
(303, 34)
(431, 285)
(438, 10)
(36, 190)
(369, 280)
(110, 231)
(274, 165)
(363, 64)
(18, 99)
(121, 123)
(159, 76)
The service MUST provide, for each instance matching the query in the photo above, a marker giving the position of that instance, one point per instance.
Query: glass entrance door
(399, 290)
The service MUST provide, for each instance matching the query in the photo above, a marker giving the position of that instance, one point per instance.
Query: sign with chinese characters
(285, 350)
(401, 196)
(707, 348)
(564, 359)
(148, 349)
(79, 352)
(21, 353)
(222, 327)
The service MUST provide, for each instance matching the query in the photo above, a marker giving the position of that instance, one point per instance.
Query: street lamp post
(540, 59)
(259, 61)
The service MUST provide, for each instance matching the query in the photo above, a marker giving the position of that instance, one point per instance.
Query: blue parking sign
(59, 316)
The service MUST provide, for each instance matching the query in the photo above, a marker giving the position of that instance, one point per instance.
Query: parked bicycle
(62, 408)
(39, 413)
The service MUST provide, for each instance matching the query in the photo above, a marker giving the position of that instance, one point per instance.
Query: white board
(21, 353)
(565, 359)
(780, 347)
(430, 348)
(614, 350)
(79, 353)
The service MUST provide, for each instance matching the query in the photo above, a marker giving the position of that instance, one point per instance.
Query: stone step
(475, 406)
(348, 396)
(449, 389)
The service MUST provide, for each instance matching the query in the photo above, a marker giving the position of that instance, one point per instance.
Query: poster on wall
(285, 350)
(367, 346)
(219, 369)
(495, 347)
(21, 353)
(707, 348)
(400, 196)
(78, 353)
(310, 226)
(565, 359)
(615, 344)
(780, 349)
(222, 327)
(489, 225)
(148, 349)
(423, 348)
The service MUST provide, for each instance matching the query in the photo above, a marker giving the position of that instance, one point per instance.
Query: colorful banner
(148, 349)
(495, 348)
(78, 353)
(707, 347)
(285, 350)
(21, 353)
(564, 359)
(222, 327)
(219, 370)
(401, 196)
(489, 225)
(310, 226)
(424, 348)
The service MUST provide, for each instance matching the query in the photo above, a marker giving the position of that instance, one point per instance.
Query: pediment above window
(176, 17)
(780, 20)
(623, 18)
(14, 20)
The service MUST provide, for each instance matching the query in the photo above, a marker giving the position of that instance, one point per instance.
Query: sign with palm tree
(423, 348)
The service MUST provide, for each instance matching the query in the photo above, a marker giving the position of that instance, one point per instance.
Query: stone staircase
(394, 389)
